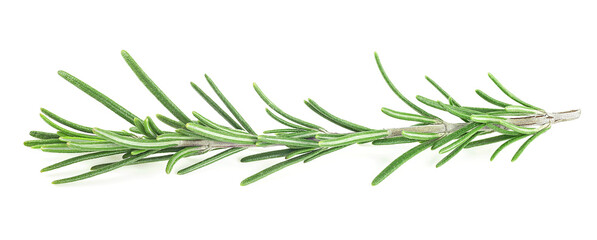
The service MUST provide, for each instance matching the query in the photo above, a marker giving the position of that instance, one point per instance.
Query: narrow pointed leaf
(354, 138)
(528, 141)
(221, 135)
(185, 152)
(490, 99)
(455, 151)
(401, 160)
(441, 90)
(505, 144)
(37, 142)
(393, 140)
(508, 93)
(456, 134)
(519, 129)
(407, 116)
(395, 90)
(228, 105)
(299, 152)
(103, 170)
(462, 139)
(64, 130)
(80, 158)
(43, 135)
(290, 142)
(146, 144)
(284, 114)
(267, 155)
(420, 136)
(170, 122)
(100, 97)
(210, 160)
(332, 118)
(154, 89)
(216, 107)
(140, 161)
(489, 140)
(96, 146)
(279, 166)
(66, 122)
(498, 129)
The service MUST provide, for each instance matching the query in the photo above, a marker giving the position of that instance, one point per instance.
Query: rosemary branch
(145, 142)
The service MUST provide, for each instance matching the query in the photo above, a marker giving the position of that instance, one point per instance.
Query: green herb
(145, 142)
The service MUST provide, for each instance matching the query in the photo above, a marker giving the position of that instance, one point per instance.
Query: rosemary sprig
(302, 141)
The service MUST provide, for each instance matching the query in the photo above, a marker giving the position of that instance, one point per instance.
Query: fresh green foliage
(302, 141)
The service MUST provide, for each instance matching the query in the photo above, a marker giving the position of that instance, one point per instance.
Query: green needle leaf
(324, 152)
(508, 93)
(290, 142)
(501, 130)
(401, 160)
(154, 128)
(486, 118)
(462, 139)
(528, 141)
(490, 140)
(353, 138)
(522, 130)
(140, 161)
(64, 130)
(154, 89)
(210, 160)
(145, 144)
(429, 102)
(209, 123)
(299, 151)
(105, 169)
(441, 90)
(284, 130)
(284, 114)
(407, 116)
(66, 122)
(456, 134)
(490, 99)
(140, 128)
(170, 122)
(306, 134)
(420, 136)
(96, 146)
(231, 108)
(43, 135)
(505, 144)
(38, 142)
(148, 129)
(393, 140)
(177, 137)
(279, 166)
(100, 97)
(456, 151)
(80, 158)
(267, 155)
(284, 122)
(395, 90)
(216, 107)
(522, 109)
(221, 135)
(58, 148)
(185, 152)
(332, 118)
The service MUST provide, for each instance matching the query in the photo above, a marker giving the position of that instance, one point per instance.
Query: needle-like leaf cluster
(300, 140)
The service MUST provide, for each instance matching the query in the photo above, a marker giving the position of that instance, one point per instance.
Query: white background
(544, 51)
